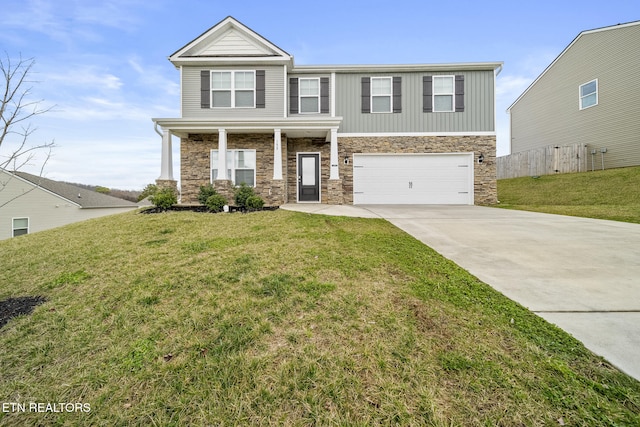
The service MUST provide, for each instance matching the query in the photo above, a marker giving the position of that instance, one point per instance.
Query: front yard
(279, 318)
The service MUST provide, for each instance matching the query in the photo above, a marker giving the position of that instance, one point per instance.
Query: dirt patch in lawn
(13, 307)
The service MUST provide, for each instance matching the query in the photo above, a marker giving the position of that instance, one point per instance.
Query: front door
(309, 177)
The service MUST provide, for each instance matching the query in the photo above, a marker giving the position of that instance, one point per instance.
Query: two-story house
(337, 134)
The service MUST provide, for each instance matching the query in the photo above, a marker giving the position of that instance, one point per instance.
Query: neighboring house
(36, 204)
(588, 95)
(337, 134)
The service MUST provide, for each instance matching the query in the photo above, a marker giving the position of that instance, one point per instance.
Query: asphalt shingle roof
(85, 198)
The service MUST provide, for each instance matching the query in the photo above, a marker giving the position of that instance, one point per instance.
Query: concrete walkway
(581, 274)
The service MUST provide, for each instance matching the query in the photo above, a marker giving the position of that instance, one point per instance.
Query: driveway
(581, 274)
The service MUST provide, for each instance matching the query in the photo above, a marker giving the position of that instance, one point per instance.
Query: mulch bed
(201, 208)
(13, 307)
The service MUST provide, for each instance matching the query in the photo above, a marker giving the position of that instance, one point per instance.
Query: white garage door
(436, 179)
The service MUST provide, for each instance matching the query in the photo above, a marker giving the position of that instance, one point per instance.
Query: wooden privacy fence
(543, 161)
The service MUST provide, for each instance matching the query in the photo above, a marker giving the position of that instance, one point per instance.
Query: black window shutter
(205, 89)
(260, 91)
(366, 94)
(427, 94)
(397, 94)
(459, 94)
(293, 95)
(324, 95)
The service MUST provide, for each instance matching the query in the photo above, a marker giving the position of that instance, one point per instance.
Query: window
(381, 94)
(20, 226)
(241, 166)
(233, 89)
(589, 94)
(309, 95)
(443, 93)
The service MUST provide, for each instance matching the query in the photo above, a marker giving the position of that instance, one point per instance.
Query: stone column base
(167, 183)
(335, 195)
(225, 188)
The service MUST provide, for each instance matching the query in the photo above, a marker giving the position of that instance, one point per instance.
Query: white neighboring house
(37, 204)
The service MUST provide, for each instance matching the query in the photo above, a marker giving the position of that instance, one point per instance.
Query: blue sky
(103, 64)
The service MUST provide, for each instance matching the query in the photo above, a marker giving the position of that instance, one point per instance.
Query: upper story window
(233, 89)
(381, 93)
(309, 95)
(589, 94)
(443, 93)
(20, 226)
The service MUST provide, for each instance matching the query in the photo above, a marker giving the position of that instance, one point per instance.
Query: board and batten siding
(549, 113)
(478, 114)
(274, 95)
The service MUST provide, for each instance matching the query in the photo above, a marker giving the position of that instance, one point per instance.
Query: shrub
(254, 202)
(206, 191)
(242, 193)
(148, 191)
(215, 203)
(164, 198)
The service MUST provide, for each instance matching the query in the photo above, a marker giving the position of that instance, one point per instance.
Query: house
(30, 203)
(588, 95)
(336, 134)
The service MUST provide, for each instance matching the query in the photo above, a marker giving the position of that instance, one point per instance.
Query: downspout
(155, 127)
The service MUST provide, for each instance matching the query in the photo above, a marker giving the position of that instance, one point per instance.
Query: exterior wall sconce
(346, 160)
(481, 158)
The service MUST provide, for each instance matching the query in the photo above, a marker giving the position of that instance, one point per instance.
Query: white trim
(580, 97)
(333, 94)
(300, 96)
(13, 229)
(452, 94)
(382, 134)
(390, 94)
(285, 93)
(232, 89)
(397, 68)
(298, 153)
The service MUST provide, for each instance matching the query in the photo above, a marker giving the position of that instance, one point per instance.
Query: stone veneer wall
(195, 166)
(485, 186)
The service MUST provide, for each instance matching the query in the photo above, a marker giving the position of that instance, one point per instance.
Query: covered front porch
(267, 155)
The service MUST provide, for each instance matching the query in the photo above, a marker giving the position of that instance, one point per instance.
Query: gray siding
(478, 116)
(274, 95)
(549, 113)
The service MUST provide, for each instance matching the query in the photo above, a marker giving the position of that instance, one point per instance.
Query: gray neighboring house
(337, 134)
(590, 94)
(37, 204)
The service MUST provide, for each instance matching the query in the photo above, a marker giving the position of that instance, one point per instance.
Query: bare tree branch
(16, 111)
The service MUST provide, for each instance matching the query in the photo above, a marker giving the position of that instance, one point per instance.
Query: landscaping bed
(202, 208)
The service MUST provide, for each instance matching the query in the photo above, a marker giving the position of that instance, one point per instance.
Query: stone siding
(195, 165)
(485, 186)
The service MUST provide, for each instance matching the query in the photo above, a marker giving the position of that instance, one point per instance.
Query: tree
(17, 108)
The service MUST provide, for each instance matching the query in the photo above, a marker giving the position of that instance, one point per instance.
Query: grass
(610, 194)
(281, 318)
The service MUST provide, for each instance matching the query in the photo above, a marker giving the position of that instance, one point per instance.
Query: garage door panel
(413, 178)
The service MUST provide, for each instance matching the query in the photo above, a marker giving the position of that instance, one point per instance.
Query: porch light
(346, 160)
(481, 158)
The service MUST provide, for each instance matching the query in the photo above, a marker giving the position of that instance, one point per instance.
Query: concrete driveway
(581, 274)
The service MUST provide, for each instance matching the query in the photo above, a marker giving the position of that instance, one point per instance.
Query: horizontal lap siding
(478, 115)
(274, 93)
(549, 113)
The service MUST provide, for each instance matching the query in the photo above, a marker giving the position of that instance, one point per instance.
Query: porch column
(277, 154)
(333, 172)
(222, 154)
(166, 161)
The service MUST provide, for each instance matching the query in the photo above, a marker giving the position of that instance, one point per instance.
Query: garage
(429, 179)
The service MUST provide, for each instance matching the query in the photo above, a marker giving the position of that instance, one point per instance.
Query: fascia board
(462, 66)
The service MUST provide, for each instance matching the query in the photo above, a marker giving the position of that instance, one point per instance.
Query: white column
(222, 154)
(277, 154)
(166, 161)
(333, 172)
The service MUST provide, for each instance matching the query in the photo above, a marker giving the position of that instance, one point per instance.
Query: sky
(102, 65)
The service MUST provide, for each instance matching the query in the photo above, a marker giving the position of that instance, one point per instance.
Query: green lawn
(280, 318)
(610, 194)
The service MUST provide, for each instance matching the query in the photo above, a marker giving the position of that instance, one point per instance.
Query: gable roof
(583, 33)
(229, 40)
(82, 197)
